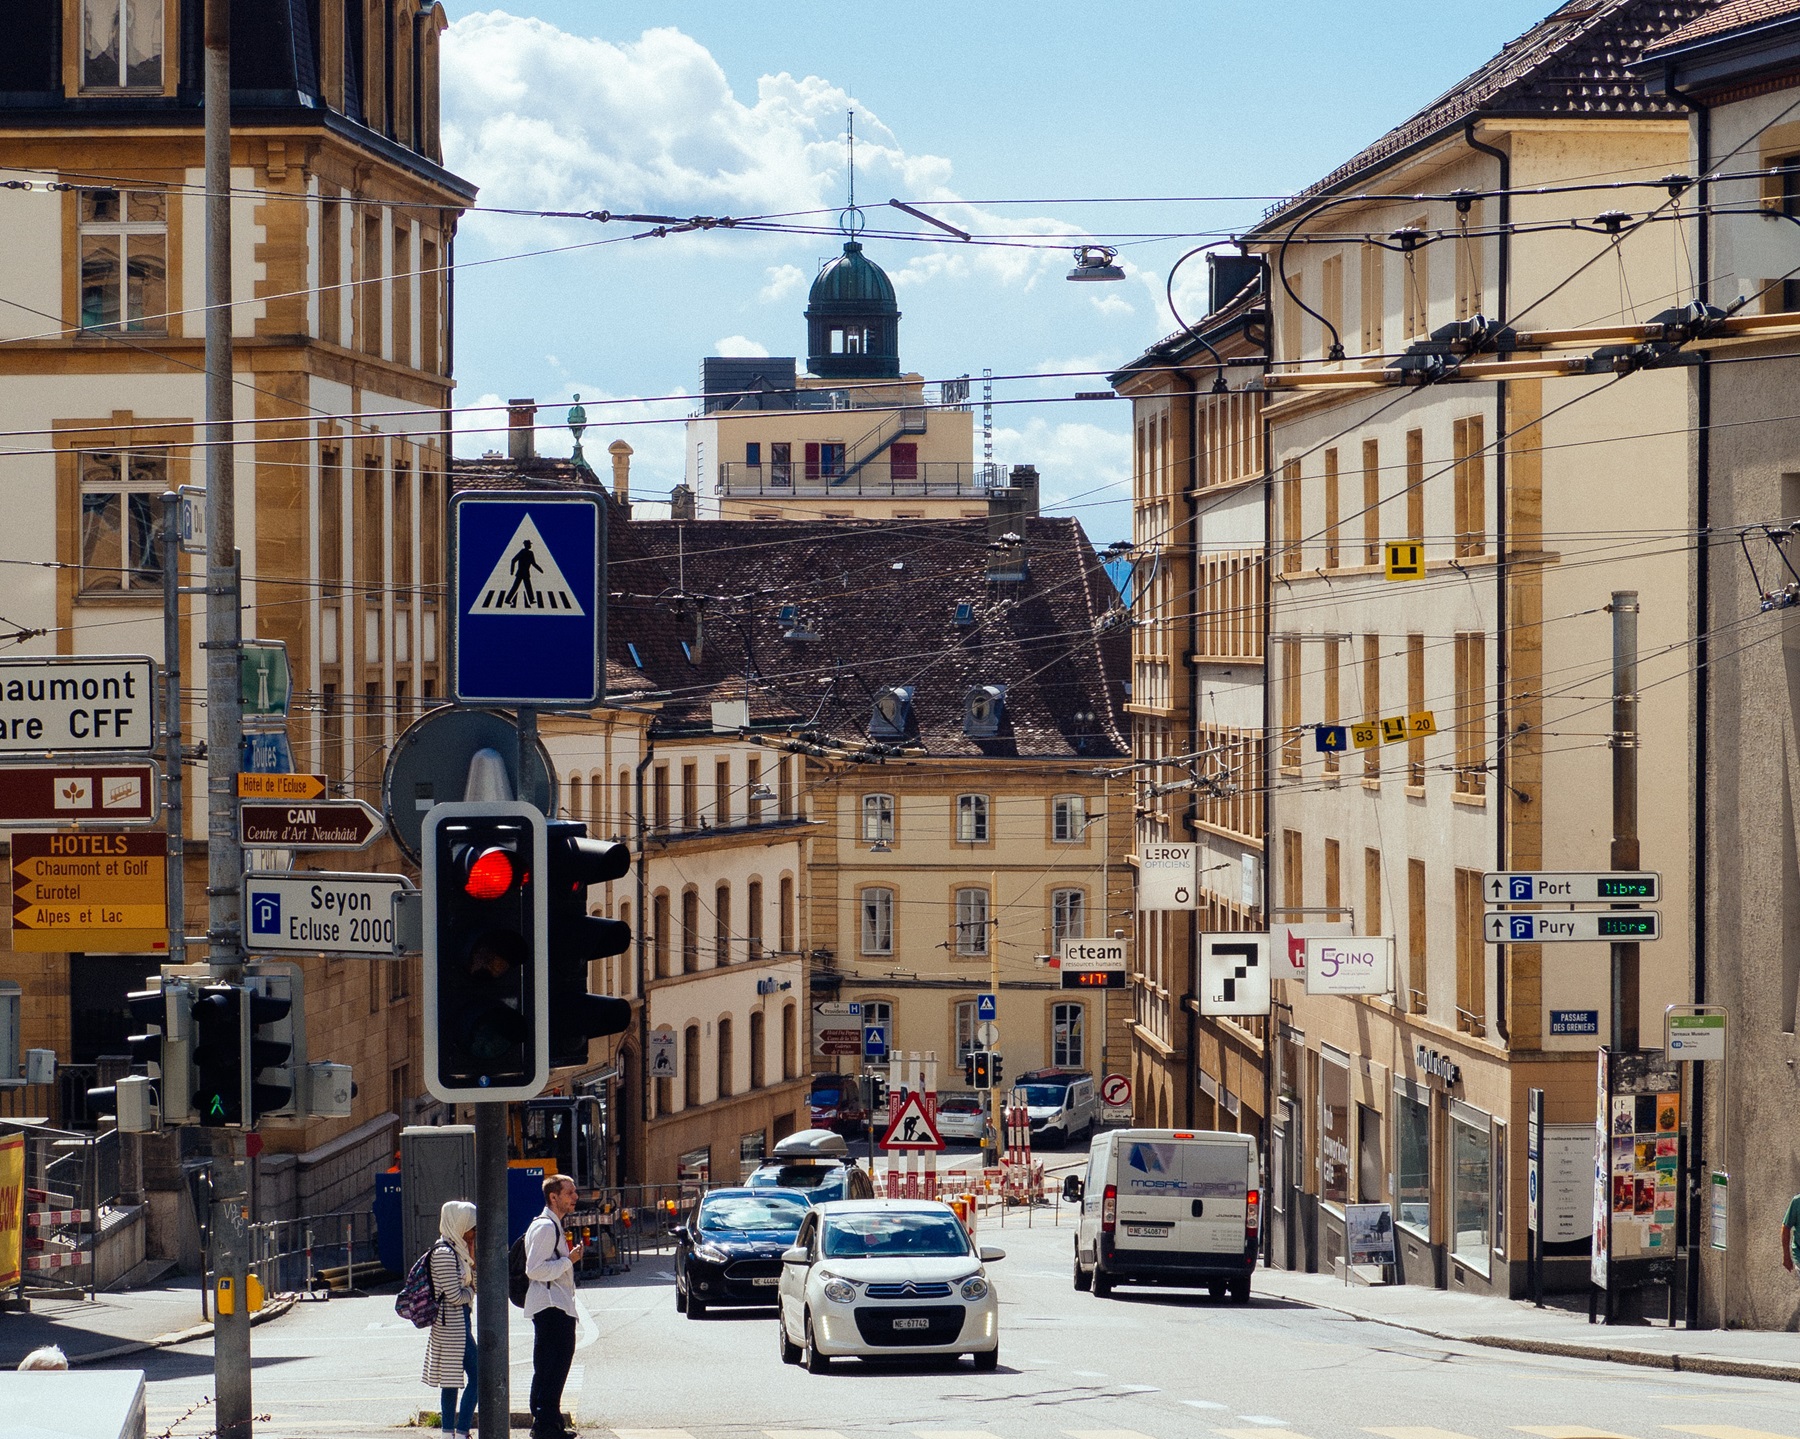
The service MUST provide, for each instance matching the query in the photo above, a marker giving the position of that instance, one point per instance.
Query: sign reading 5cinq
(1349, 965)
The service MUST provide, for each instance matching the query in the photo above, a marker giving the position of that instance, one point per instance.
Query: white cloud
(1112, 305)
(1084, 469)
(655, 432)
(739, 345)
(783, 280)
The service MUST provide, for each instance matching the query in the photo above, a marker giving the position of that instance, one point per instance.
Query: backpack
(417, 1299)
(517, 1284)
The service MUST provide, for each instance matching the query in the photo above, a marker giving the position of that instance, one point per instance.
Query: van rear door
(1182, 1196)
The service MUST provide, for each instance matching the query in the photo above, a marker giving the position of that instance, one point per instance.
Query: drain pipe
(1193, 670)
(643, 940)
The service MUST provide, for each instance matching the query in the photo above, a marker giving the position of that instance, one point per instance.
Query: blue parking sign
(874, 1041)
(529, 606)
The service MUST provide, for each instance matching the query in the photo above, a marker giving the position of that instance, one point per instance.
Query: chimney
(521, 430)
(681, 503)
(1025, 480)
(621, 458)
(1006, 530)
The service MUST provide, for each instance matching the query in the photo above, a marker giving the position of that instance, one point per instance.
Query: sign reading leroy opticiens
(68, 702)
(97, 892)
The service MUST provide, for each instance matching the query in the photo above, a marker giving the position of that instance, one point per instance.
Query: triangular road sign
(526, 579)
(912, 1127)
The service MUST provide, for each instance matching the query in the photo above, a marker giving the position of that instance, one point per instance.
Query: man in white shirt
(550, 1262)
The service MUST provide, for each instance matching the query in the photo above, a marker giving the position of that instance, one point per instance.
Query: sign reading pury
(1350, 965)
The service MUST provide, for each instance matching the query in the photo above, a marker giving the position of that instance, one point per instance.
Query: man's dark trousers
(552, 1351)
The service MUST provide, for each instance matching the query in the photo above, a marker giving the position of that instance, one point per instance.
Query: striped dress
(455, 1296)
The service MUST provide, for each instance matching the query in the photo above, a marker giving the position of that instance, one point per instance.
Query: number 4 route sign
(529, 606)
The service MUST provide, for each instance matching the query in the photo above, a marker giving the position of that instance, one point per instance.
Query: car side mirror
(796, 1255)
(683, 1234)
(991, 1255)
(1072, 1188)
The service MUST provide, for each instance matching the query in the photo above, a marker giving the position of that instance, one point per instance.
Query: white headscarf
(455, 1220)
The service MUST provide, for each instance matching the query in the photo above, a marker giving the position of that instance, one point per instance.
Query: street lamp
(577, 425)
(1095, 262)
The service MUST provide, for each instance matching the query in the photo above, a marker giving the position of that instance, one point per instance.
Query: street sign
(64, 794)
(912, 1126)
(92, 891)
(86, 702)
(314, 912)
(429, 765)
(264, 683)
(1350, 966)
(1694, 1036)
(1166, 877)
(191, 519)
(1234, 974)
(289, 788)
(266, 752)
(662, 1054)
(1599, 887)
(1564, 927)
(1574, 1021)
(1115, 1091)
(1290, 940)
(987, 1006)
(837, 1027)
(1404, 561)
(987, 1034)
(526, 625)
(1092, 954)
(838, 1008)
(874, 1041)
(331, 824)
(1331, 738)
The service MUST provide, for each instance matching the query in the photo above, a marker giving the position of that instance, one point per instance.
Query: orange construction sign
(913, 1126)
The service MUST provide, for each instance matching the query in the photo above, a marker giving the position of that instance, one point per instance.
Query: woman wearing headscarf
(450, 1352)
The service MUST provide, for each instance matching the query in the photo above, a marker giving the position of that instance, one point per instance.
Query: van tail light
(1252, 1214)
(1109, 1209)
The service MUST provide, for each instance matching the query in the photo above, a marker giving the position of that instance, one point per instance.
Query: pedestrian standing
(550, 1262)
(1790, 1236)
(450, 1352)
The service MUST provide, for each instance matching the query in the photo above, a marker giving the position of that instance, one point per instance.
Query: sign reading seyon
(96, 891)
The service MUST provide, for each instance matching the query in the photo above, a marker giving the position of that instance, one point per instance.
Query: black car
(729, 1250)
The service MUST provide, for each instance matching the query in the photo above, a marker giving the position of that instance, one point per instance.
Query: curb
(272, 1310)
(1608, 1354)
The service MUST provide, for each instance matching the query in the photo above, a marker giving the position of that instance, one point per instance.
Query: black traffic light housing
(486, 925)
(269, 1046)
(577, 938)
(219, 1043)
(981, 1070)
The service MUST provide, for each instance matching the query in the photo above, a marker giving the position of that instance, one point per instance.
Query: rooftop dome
(852, 320)
(853, 279)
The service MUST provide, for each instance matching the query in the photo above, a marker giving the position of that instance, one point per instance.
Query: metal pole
(491, 1313)
(231, 1332)
(174, 788)
(1624, 609)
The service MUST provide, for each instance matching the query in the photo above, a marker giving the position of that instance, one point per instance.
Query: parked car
(728, 1251)
(962, 1117)
(1168, 1206)
(886, 1277)
(836, 1103)
(1062, 1104)
(817, 1163)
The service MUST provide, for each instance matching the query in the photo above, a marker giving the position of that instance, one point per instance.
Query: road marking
(1137, 1388)
(1089, 1373)
(953, 1434)
(1204, 1404)
(803, 1434)
(586, 1331)
(1257, 1433)
(653, 1434)
(1724, 1431)
(1420, 1431)
(1568, 1431)
(1105, 1434)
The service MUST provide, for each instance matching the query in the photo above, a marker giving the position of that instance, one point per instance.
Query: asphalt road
(1140, 1365)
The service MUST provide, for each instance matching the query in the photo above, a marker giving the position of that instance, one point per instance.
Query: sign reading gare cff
(57, 702)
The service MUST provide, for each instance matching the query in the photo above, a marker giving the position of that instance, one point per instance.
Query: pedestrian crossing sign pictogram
(1405, 560)
(529, 611)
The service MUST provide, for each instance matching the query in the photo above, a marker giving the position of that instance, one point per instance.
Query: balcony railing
(883, 477)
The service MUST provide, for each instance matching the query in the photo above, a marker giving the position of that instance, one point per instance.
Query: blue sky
(730, 109)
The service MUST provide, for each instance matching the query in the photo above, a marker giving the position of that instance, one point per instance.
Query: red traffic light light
(490, 875)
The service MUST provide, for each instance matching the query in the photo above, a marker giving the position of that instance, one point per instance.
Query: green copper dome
(853, 278)
(852, 320)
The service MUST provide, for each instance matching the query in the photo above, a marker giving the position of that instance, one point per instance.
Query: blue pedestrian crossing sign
(987, 1006)
(874, 1041)
(527, 622)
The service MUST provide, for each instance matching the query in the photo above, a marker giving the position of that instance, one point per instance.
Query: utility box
(437, 1163)
(329, 1091)
(40, 1066)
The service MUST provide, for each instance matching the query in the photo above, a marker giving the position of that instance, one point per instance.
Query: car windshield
(774, 1213)
(968, 1105)
(796, 1176)
(1041, 1094)
(827, 1093)
(885, 1234)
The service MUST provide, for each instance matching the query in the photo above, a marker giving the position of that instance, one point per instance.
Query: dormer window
(892, 718)
(122, 44)
(984, 711)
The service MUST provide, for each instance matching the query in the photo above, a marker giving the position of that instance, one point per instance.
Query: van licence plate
(1148, 1231)
(764, 1281)
(912, 1324)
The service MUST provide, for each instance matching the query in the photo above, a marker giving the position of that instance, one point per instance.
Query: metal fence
(71, 1179)
(313, 1255)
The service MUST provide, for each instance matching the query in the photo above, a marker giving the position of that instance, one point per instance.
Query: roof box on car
(812, 1144)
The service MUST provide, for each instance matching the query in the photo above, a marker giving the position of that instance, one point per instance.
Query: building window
(1334, 1130)
(690, 795)
(1415, 935)
(121, 44)
(1468, 263)
(878, 921)
(971, 819)
(1471, 486)
(124, 260)
(1415, 486)
(1068, 1037)
(758, 1040)
(971, 921)
(781, 462)
(690, 1064)
(753, 452)
(1292, 518)
(1068, 818)
(659, 798)
(1416, 298)
(1334, 549)
(659, 932)
(877, 818)
(722, 924)
(1415, 702)
(1068, 917)
(722, 792)
(784, 788)
(1372, 892)
(121, 520)
(753, 805)
(1374, 297)
(727, 1059)
(790, 1041)
(785, 919)
(1289, 649)
(1471, 715)
(1333, 699)
(1412, 1162)
(1471, 955)
(690, 930)
(753, 919)
(965, 1030)
(1471, 1187)
(1371, 702)
(1371, 517)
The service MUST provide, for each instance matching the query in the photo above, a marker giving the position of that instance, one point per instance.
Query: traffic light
(486, 920)
(164, 1048)
(270, 1045)
(577, 938)
(980, 1069)
(219, 1041)
(997, 1070)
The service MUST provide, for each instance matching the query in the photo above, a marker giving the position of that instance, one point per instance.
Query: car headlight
(711, 1253)
(840, 1291)
(975, 1287)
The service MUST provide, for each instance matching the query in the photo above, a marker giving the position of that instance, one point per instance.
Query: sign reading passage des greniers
(528, 601)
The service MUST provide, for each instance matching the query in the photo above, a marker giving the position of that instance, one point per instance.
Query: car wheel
(1082, 1278)
(816, 1363)
(790, 1351)
(1240, 1291)
(696, 1308)
(681, 1299)
(1102, 1281)
(987, 1360)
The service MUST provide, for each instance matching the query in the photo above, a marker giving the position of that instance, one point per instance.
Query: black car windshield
(797, 1176)
(773, 1213)
(885, 1234)
(1041, 1094)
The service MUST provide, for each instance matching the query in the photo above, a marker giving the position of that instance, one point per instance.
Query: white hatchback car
(874, 1278)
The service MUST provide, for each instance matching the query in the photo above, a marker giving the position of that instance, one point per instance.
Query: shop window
(1412, 1162)
(1334, 1129)
(1471, 1187)
(124, 260)
(121, 44)
(1369, 1168)
(121, 521)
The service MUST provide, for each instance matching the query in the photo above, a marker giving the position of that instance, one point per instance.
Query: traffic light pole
(491, 1311)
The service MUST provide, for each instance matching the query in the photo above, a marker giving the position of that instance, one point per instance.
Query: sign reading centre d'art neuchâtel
(528, 600)
(76, 702)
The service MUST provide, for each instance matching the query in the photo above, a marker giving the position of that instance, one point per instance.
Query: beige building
(1532, 498)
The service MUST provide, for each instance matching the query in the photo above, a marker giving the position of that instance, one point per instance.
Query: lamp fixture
(761, 792)
(1095, 262)
(881, 846)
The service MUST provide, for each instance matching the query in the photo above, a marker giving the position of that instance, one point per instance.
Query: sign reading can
(93, 891)
(315, 912)
(65, 702)
(328, 824)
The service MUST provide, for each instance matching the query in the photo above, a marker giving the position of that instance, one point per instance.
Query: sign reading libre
(57, 702)
(93, 891)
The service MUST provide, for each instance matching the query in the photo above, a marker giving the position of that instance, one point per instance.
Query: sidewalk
(113, 1325)
(1511, 1324)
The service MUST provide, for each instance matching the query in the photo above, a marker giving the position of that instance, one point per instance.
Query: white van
(1168, 1206)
